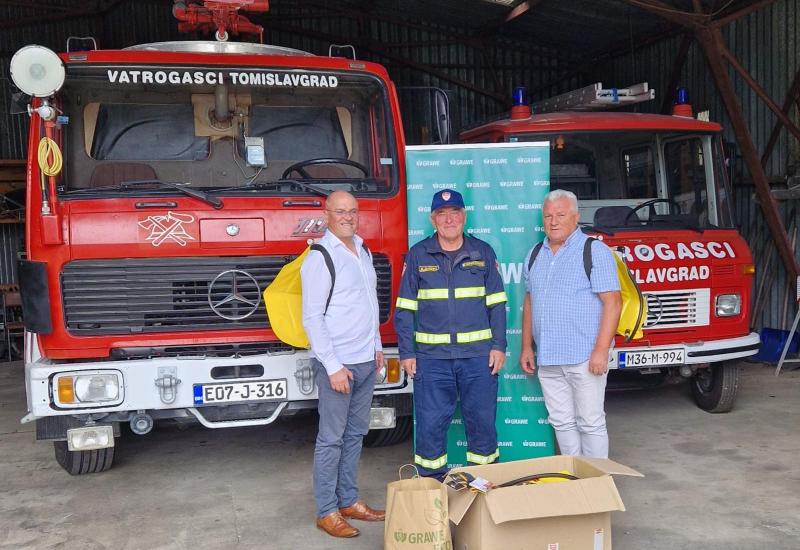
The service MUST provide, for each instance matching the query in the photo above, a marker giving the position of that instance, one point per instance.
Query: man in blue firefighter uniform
(451, 325)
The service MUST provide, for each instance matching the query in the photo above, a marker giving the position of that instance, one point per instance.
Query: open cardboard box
(573, 515)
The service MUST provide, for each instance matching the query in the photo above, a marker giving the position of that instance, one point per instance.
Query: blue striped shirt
(566, 309)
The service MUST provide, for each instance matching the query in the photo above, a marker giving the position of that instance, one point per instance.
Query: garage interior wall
(481, 80)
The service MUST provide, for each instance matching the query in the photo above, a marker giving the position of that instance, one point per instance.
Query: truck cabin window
(614, 173)
(229, 139)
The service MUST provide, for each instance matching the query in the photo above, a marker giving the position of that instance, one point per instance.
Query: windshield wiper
(135, 184)
(275, 184)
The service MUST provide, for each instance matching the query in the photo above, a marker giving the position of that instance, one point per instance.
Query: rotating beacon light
(38, 72)
(520, 107)
(682, 105)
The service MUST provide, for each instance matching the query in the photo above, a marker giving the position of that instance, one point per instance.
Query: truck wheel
(714, 387)
(83, 462)
(391, 436)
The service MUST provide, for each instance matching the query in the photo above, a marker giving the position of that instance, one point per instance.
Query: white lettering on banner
(415, 232)
(529, 160)
(532, 398)
(495, 207)
(529, 206)
(513, 331)
(470, 208)
(427, 163)
(216, 77)
(543, 421)
(512, 183)
(508, 376)
(672, 274)
(534, 443)
(462, 162)
(461, 443)
(505, 443)
(480, 230)
(457, 421)
(512, 230)
(452, 185)
(539, 228)
(478, 184)
(414, 186)
(520, 421)
(423, 208)
(495, 161)
(541, 183)
(511, 272)
(504, 399)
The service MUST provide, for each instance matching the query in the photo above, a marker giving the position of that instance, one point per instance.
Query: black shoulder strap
(366, 249)
(329, 263)
(536, 250)
(587, 257)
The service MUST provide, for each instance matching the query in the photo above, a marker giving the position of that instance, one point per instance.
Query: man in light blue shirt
(346, 353)
(573, 319)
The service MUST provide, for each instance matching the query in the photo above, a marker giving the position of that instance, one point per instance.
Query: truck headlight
(88, 388)
(728, 305)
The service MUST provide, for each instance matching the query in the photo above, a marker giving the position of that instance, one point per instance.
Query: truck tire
(83, 462)
(391, 436)
(714, 387)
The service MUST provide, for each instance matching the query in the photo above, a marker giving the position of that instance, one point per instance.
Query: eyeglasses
(344, 213)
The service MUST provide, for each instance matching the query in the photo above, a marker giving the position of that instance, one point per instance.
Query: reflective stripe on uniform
(428, 338)
(496, 298)
(434, 464)
(405, 303)
(474, 336)
(432, 294)
(470, 292)
(483, 459)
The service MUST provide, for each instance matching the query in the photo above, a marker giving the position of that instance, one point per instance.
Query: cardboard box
(573, 515)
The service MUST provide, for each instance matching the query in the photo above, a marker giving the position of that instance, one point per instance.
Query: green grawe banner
(503, 186)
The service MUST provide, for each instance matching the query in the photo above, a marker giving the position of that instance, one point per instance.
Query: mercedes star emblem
(232, 229)
(235, 306)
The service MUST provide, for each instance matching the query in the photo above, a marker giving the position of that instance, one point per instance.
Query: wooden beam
(791, 97)
(747, 10)
(713, 44)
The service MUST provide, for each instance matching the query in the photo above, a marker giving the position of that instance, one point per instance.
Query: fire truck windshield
(629, 180)
(227, 134)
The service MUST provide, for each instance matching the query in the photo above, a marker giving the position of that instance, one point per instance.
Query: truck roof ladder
(595, 97)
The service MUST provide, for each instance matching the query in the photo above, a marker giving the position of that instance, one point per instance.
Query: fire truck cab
(168, 185)
(655, 189)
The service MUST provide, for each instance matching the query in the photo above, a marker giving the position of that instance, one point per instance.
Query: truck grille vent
(677, 308)
(155, 295)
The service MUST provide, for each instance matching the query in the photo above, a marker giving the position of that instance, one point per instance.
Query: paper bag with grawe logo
(416, 515)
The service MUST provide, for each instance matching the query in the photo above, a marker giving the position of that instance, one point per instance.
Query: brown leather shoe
(336, 526)
(360, 510)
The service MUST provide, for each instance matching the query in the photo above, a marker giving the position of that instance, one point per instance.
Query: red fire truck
(168, 184)
(655, 189)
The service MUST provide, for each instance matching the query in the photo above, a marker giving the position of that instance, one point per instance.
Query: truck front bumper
(170, 388)
(694, 353)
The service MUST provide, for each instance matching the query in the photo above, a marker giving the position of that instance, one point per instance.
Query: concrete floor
(713, 482)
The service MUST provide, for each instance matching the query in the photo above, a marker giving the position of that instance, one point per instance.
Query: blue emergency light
(520, 96)
(682, 96)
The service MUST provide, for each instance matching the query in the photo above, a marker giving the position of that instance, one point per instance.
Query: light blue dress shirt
(349, 332)
(566, 309)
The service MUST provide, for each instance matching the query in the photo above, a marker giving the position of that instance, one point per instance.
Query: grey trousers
(343, 423)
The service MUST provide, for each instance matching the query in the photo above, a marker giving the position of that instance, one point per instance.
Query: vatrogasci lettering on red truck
(655, 188)
(168, 185)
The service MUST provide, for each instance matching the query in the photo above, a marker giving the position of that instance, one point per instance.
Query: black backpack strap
(329, 263)
(587, 257)
(536, 250)
(366, 249)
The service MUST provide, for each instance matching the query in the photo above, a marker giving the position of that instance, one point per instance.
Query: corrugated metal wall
(11, 246)
(766, 44)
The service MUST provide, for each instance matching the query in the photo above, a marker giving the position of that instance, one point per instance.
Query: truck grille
(169, 295)
(677, 308)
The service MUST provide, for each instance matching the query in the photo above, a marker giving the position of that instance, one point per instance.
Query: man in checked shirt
(572, 318)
